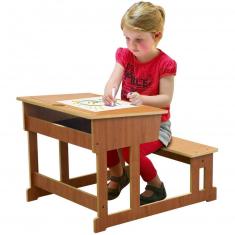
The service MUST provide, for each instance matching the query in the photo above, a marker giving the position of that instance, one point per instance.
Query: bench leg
(208, 178)
(205, 162)
(194, 176)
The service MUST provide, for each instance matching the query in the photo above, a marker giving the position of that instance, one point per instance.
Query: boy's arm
(113, 82)
(166, 89)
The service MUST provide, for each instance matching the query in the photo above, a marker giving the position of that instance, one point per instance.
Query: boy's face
(141, 44)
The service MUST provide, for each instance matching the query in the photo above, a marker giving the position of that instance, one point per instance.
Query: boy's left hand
(135, 98)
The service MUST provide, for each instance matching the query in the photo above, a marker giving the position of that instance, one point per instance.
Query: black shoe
(122, 181)
(158, 194)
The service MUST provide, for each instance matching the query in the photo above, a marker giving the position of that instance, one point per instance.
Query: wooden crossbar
(155, 208)
(66, 191)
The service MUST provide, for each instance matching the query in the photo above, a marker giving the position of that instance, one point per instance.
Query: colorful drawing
(96, 104)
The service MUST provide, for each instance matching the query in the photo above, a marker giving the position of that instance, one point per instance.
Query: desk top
(50, 102)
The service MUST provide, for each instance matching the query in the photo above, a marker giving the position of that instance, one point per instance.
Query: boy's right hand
(108, 99)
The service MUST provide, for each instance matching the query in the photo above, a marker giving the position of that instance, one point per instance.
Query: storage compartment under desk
(77, 123)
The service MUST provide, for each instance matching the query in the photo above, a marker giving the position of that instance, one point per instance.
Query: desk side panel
(122, 132)
(42, 120)
(62, 133)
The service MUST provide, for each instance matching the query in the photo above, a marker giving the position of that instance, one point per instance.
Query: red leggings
(147, 170)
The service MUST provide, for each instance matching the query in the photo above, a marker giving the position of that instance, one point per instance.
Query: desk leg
(33, 192)
(134, 177)
(100, 223)
(64, 161)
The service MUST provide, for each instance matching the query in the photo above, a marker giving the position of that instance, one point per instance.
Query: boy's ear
(157, 35)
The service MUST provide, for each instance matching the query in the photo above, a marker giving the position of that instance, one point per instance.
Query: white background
(53, 47)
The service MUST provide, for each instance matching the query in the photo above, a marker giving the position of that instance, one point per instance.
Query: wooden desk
(98, 131)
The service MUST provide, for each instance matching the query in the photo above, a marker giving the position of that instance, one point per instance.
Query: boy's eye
(138, 39)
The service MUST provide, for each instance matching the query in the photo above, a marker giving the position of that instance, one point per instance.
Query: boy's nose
(132, 45)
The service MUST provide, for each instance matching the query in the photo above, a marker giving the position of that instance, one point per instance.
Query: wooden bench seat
(184, 150)
(198, 156)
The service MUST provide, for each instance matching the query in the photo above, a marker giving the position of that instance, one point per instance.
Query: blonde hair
(144, 16)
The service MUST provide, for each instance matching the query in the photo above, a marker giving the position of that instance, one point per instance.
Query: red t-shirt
(144, 78)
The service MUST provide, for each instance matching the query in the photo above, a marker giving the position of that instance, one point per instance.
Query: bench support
(197, 162)
(205, 162)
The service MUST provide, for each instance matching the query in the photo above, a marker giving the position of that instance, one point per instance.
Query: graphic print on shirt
(132, 83)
